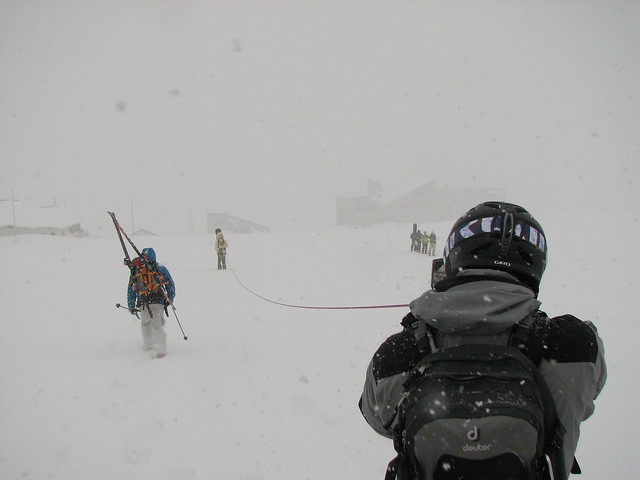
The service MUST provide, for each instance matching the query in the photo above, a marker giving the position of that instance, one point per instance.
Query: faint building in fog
(427, 203)
(232, 224)
(21, 218)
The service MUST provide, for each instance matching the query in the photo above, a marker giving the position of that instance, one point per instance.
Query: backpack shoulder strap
(424, 340)
(520, 333)
(423, 333)
(529, 336)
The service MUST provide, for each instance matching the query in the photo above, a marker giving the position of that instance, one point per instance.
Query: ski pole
(168, 302)
(135, 310)
(184, 336)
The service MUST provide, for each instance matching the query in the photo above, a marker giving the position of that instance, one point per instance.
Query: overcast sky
(268, 110)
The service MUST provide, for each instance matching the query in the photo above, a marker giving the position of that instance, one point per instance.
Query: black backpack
(474, 412)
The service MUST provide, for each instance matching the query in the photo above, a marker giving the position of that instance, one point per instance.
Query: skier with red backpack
(150, 291)
(480, 384)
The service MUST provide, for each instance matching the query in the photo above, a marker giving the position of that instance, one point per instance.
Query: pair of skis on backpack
(133, 268)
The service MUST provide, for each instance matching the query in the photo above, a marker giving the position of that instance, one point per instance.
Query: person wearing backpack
(221, 246)
(151, 289)
(425, 241)
(481, 384)
(432, 243)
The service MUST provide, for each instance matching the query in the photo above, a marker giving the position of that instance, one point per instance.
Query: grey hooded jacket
(569, 351)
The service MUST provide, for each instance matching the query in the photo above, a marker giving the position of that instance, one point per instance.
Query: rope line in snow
(289, 305)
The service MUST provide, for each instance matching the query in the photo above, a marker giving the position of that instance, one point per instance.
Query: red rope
(312, 307)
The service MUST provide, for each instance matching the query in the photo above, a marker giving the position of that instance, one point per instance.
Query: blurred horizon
(270, 110)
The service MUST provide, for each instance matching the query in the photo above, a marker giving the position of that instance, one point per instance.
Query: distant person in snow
(417, 241)
(221, 246)
(424, 239)
(432, 240)
(151, 290)
(480, 383)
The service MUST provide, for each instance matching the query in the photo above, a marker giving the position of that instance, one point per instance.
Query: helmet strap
(507, 231)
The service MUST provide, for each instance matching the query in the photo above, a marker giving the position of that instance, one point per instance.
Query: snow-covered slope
(258, 391)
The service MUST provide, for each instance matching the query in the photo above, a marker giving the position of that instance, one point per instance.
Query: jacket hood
(483, 307)
(150, 253)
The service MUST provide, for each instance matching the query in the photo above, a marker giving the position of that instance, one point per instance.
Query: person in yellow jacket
(221, 246)
(425, 241)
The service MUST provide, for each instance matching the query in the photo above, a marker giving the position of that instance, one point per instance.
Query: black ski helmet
(498, 236)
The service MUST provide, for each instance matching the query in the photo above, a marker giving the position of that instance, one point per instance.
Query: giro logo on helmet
(502, 262)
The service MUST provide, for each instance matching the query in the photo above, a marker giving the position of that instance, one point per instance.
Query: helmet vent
(526, 256)
(480, 249)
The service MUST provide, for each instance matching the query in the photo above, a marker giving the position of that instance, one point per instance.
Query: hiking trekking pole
(126, 308)
(178, 320)
(134, 311)
(168, 302)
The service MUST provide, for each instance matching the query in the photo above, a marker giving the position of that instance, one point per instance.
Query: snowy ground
(259, 391)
